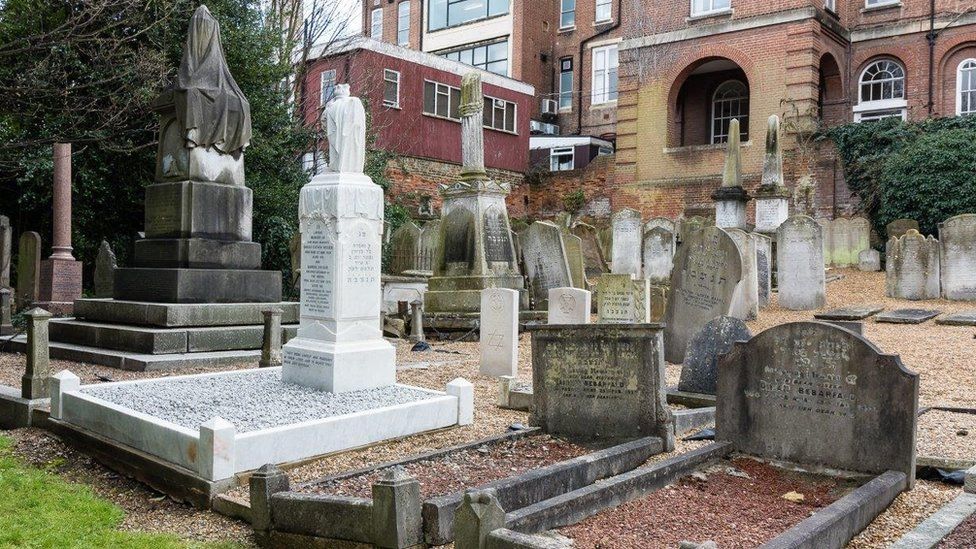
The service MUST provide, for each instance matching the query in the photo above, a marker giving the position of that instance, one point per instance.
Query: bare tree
(647, 61)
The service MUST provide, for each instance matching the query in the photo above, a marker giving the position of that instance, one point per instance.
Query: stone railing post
(416, 321)
(217, 451)
(397, 522)
(34, 384)
(271, 348)
(264, 483)
(479, 514)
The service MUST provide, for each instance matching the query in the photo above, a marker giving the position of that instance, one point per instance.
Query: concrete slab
(850, 313)
(170, 315)
(139, 362)
(965, 318)
(907, 316)
(691, 400)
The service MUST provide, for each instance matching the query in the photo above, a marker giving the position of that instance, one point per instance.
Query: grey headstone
(546, 266)
(28, 269)
(764, 267)
(800, 264)
(627, 233)
(815, 394)
(745, 303)
(6, 328)
(594, 261)
(912, 267)
(658, 254)
(600, 381)
(855, 312)
(105, 265)
(860, 238)
(964, 318)
(898, 227)
(427, 247)
(707, 269)
(869, 261)
(957, 241)
(404, 246)
(699, 372)
(573, 245)
(6, 250)
(622, 299)
(907, 316)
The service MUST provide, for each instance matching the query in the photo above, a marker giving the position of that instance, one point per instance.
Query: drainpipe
(931, 37)
(420, 44)
(582, 50)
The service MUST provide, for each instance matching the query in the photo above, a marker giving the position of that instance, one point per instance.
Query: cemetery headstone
(404, 246)
(699, 371)
(907, 316)
(28, 269)
(731, 198)
(626, 257)
(764, 267)
(745, 303)
(957, 241)
(544, 256)
(569, 306)
(6, 328)
(34, 381)
(839, 239)
(658, 254)
(707, 269)
(622, 299)
(815, 394)
(659, 302)
(604, 238)
(860, 237)
(499, 332)
(6, 251)
(869, 261)
(427, 247)
(600, 381)
(686, 225)
(593, 258)
(800, 264)
(105, 265)
(912, 267)
(574, 257)
(662, 222)
(898, 227)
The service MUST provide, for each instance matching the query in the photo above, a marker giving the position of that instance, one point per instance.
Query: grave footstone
(957, 242)
(499, 332)
(856, 312)
(907, 316)
(658, 254)
(569, 306)
(707, 269)
(964, 318)
(28, 269)
(869, 261)
(600, 381)
(912, 267)
(6, 251)
(626, 257)
(105, 265)
(800, 264)
(815, 394)
(745, 303)
(764, 267)
(271, 342)
(622, 299)
(898, 227)
(545, 261)
(699, 371)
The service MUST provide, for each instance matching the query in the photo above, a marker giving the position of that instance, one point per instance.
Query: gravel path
(907, 511)
(252, 400)
(947, 435)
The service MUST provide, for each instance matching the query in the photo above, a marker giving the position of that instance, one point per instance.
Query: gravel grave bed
(464, 469)
(252, 400)
(737, 504)
(947, 434)
(962, 537)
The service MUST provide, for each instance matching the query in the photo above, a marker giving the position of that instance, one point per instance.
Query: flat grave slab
(850, 313)
(964, 318)
(907, 316)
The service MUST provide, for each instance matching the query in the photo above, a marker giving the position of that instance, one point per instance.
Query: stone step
(171, 315)
(158, 341)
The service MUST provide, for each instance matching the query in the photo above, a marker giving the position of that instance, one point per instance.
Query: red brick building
(413, 99)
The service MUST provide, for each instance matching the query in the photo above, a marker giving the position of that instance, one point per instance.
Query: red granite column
(61, 243)
(60, 274)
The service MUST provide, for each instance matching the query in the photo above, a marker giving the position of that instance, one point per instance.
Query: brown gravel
(457, 471)
(962, 537)
(907, 511)
(713, 504)
(945, 434)
(145, 509)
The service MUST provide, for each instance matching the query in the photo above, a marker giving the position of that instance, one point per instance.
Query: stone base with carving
(339, 367)
(60, 285)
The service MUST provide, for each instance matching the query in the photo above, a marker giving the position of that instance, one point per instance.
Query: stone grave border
(17, 412)
(942, 462)
(196, 464)
(332, 517)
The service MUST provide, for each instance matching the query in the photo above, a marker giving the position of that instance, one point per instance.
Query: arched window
(731, 100)
(966, 88)
(881, 92)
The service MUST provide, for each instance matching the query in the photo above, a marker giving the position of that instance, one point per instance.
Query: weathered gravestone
(573, 245)
(707, 269)
(622, 299)
(404, 246)
(593, 259)
(745, 303)
(661, 222)
(860, 237)
(626, 244)
(869, 261)
(600, 381)
(854, 312)
(569, 306)
(658, 254)
(28, 269)
(105, 266)
(6, 250)
(837, 237)
(764, 266)
(907, 316)
(957, 240)
(427, 246)
(912, 267)
(731, 198)
(898, 227)
(6, 328)
(499, 332)
(800, 264)
(545, 261)
(815, 394)
(687, 225)
(699, 371)
(964, 318)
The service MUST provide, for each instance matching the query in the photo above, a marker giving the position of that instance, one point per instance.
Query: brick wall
(415, 182)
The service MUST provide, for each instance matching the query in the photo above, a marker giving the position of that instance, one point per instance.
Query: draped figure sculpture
(345, 126)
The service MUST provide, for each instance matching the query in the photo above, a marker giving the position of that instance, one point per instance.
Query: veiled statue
(205, 119)
(345, 126)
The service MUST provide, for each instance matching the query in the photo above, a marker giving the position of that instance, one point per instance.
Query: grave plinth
(772, 208)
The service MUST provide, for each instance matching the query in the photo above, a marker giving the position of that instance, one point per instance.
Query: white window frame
(403, 23)
(568, 93)
(830, 5)
(563, 11)
(602, 76)
(376, 24)
(437, 94)
(331, 74)
(493, 103)
(556, 152)
(971, 91)
(881, 108)
(608, 6)
(390, 75)
(710, 8)
(879, 3)
(743, 117)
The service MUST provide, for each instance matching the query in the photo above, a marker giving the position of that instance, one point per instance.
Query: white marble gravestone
(626, 246)
(745, 301)
(957, 240)
(569, 306)
(499, 332)
(800, 264)
(339, 346)
(622, 299)
(658, 254)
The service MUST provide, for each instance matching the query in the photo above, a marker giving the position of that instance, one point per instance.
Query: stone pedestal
(339, 346)
(730, 207)
(34, 380)
(772, 208)
(60, 285)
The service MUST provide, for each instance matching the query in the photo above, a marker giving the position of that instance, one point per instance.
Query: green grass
(39, 509)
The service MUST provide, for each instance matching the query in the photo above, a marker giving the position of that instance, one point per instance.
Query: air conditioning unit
(549, 106)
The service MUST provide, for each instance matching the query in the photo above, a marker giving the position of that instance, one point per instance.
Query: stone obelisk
(60, 280)
(730, 199)
(772, 196)
(339, 346)
(475, 248)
